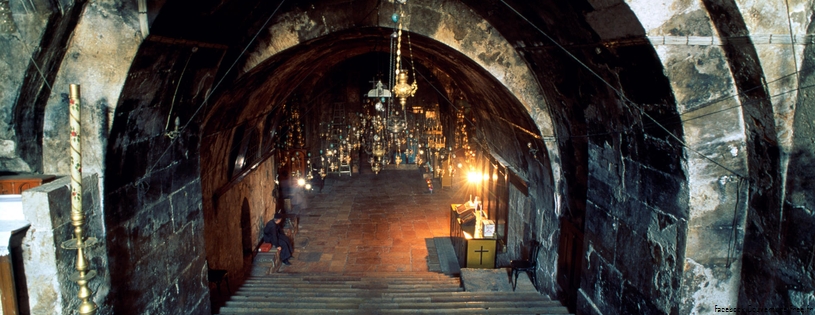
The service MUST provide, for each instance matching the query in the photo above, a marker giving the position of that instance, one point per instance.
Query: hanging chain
(399, 48)
(410, 50)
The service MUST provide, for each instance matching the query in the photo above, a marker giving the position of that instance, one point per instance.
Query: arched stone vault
(486, 47)
(303, 42)
(758, 86)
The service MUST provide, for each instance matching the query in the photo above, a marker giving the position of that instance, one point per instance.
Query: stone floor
(370, 223)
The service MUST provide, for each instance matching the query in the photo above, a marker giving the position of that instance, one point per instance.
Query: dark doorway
(569, 262)
(246, 231)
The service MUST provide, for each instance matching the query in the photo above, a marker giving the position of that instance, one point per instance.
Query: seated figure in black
(273, 234)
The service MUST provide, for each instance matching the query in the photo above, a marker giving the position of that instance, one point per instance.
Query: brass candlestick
(83, 273)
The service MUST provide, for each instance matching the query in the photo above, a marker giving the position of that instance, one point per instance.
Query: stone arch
(748, 117)
(305, 28)
(444, 24)
(507, 66)
(255, 91)
(799, 200)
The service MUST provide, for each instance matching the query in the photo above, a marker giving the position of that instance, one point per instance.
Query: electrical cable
(534, 135)
(212, 91)
(178, 85)
(626, 101)
(31, 57)
(792, 40)
(649, 125)
(731, 246)
(798, 84)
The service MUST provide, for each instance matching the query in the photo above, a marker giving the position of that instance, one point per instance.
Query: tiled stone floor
(370, 223)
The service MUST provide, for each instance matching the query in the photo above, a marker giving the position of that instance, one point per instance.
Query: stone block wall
(636, 229)
(250, 201)
(785, 276)
(47, 266)
(520, 209)
(153, 206)
(532, 214)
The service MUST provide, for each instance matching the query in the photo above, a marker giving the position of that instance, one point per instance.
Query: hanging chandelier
(376, 126)
(402, 90)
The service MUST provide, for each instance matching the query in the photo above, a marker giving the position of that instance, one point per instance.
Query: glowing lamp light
(308, 186)
(473, 177)
(301, 182)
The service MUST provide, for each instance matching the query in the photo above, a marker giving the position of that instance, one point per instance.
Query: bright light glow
(494, 176)
(459, 165)
(308, 186)
(473, 177)
(301, 182)
(486, 177)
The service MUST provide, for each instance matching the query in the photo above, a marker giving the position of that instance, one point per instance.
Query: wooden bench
(291, 225)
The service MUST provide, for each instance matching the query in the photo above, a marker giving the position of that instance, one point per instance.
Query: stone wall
(520, 209)
(153, 204)
(33, 46)
(98, 54)
(47, 266)
(787, 277)
(224, 217)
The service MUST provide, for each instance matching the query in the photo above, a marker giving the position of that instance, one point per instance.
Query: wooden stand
(15, 184)
(471, 252)
(446, 181)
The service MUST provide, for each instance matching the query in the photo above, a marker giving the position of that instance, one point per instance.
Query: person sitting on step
(273, 234)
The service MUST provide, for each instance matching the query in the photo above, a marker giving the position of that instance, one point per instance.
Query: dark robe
(273, 234)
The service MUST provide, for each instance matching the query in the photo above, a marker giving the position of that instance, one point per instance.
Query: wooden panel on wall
(16, 184)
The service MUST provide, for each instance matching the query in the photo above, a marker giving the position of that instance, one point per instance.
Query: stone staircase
(377, 293)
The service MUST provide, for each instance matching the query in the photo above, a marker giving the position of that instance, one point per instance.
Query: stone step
(301, 295)
(303, 299)
(459, 304)
(250, 291)
(356, 303)
(279, 276)
(360, 285)
(378, 293)
(432, 297)
(341, 281)
(370, 275)
(389, 294)
(491, 310)
(466, 293)
(366, 274)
